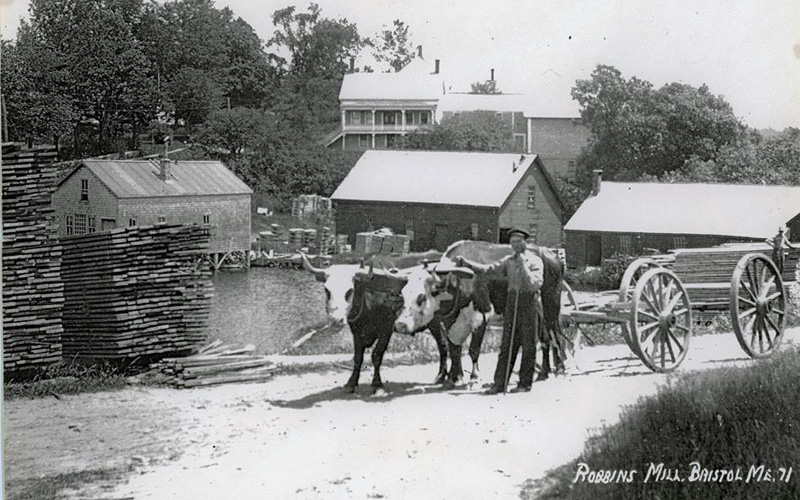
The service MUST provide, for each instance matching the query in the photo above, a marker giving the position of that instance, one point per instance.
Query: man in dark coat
(525, 273)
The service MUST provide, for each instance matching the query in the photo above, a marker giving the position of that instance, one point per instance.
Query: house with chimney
(379, 108)
(637, 218)
(100, 195)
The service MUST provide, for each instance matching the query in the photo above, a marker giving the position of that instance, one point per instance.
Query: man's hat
(520, 232)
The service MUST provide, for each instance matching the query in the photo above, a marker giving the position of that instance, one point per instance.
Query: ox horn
(319, 273)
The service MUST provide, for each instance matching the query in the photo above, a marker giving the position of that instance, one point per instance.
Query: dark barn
(630, 218)
(438, 198)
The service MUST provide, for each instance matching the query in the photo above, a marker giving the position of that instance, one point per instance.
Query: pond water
(264, 306)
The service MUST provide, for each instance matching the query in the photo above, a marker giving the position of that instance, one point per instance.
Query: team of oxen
(428, 291)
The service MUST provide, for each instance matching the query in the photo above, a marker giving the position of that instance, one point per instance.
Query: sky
(746, 51)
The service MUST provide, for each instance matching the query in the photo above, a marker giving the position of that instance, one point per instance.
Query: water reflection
(265, 307)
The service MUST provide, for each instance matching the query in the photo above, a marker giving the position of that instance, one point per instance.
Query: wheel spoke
(668, 342)
(674, 301)
(648, 326)
(749, 326)
(774, 296)
(747, 301)
(774, 327)
(747, 313)
(743, 285)
(684, 328)
(675, 340)
(649, 301)
(763, 279)
(649, 339)
(654, 303)
(680, 312)
(663, 351)
(754, 277)
(647, 314)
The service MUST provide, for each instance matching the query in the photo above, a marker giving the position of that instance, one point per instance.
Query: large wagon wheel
(660, 320)
(758, 305)
(630, 278)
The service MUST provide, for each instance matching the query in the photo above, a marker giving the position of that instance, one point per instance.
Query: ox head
(338, 282)
(423, 293)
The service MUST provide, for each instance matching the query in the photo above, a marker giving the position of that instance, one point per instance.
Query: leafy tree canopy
(487, 87)
(474, 131)
(394, 47)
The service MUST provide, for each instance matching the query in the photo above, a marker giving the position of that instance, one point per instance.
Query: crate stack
(324, 242)
(401, 243)
(310, 240)
(707, 272)
(135, 291)
(364, 243)
(33, 294)
(296, 236)
(341, 244)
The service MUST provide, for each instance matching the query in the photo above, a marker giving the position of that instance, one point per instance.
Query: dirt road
(301, 437)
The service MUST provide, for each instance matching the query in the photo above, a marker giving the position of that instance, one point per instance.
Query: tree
(236, 130)
(393, 46)
(487, 87)
(641, 131)
(474, 131)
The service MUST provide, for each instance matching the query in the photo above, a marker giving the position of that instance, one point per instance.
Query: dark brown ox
(462, 303)
(369, 300)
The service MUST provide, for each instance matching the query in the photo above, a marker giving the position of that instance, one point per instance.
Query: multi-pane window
(363, 140)
(162, 219)
(207, 219)
(531, 197)
(69, 224)
(80, 223)
(474, 227)
(389, 118)
(679, 242)
(84, 189)
(625, 245)
(92, 225)
(423, 118)
(370, 223)
(131, 222)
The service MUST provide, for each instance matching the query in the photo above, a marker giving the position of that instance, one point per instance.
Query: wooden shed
(100, 195)
(629, 218)
(439, 197)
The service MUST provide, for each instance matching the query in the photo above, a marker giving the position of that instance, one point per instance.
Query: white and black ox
(460, 302)
(368, 300)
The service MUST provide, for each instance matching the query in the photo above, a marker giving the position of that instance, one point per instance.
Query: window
(162, 219)
(410, 117)
(533, 230)
(625, 245)
(474, 229)
(571, 164)
(410, 229)
(131, 222)
(679, 242)
(531, 197)
(368, 117)
(356, 117)
(370, 223)
(207, 219)
(423, 118)
(80, 223)
(92, 226)
(69, 224)
(389, 118)
(84, 189)
(363, 140)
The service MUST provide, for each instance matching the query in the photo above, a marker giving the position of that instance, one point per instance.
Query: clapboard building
(100, 195)
(631, 218)
(438, 197)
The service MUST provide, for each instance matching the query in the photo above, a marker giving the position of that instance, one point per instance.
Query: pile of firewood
(32, 289)
(214, 364)
(135, 291)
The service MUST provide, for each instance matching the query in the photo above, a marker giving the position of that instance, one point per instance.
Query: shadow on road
(363, 393)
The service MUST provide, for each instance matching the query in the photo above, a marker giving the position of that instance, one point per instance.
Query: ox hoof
(349, 389)
(542, 377)
(379, 392)
(440, 379)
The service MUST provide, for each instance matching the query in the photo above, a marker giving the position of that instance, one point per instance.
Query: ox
(369, 302)
(471, 300)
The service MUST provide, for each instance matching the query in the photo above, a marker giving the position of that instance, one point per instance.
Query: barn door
(594, 250)
(441, 237)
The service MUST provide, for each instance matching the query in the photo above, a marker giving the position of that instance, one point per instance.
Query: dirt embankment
(302, 437)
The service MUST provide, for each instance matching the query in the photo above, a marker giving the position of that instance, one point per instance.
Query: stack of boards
(135, 291)
(32, 289)
(215, 364)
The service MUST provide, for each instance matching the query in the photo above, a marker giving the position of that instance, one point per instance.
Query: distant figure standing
(779, 244)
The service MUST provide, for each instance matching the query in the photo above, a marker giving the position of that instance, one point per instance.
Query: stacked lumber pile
(135, 291)
(215, 364)
(707, 272)
(32, 289)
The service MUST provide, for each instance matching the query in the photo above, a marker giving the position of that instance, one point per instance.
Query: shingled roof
(140, 178)
(710, 209)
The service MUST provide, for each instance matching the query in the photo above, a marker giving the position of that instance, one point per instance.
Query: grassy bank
(66, 377)
(731, 418)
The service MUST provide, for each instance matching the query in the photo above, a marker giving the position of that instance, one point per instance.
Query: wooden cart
(655, 312)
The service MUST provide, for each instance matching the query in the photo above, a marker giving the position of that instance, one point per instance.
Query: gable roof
(714, 209)
(139, 179)
(416, 81)
(435, 177)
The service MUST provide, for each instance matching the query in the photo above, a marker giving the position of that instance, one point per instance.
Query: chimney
(436, 67)
(597, 179)
(164, 173)
(419, 51)
(352, 65)
(492, 78)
